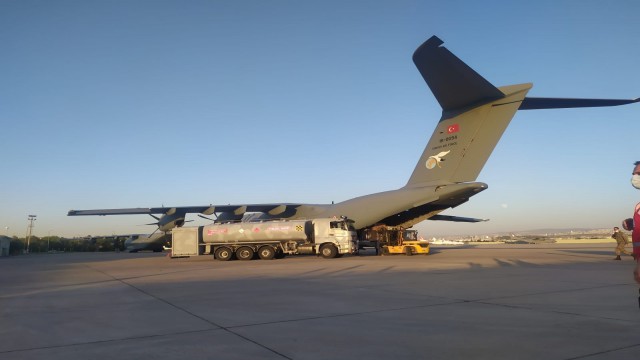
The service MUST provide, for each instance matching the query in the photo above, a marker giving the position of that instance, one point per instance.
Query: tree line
(59, 244)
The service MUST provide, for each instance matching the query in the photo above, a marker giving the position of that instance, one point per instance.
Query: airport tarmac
(551, 301)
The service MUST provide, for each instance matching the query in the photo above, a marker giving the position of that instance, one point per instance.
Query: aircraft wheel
(223, 254)
(328, 251)
(244, 253)
(266, 252)
(408, 251)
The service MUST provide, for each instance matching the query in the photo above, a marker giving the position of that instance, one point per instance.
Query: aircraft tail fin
(474, 117)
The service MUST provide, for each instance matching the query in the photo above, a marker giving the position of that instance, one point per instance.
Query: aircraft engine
(228, 216)
(170, 220)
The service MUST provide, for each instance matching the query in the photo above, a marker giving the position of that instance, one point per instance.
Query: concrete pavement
(552, 301)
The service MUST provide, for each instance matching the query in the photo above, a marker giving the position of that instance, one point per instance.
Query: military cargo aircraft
(474, 116)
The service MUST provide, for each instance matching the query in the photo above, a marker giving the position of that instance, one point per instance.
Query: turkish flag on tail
(453, 129)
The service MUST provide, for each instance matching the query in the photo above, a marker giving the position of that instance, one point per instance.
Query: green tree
(16, 246)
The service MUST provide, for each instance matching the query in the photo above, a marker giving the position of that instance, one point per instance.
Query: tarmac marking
(387, 269)
(106, 341)
(341, 270)
(488, 302)
(348, 314)
(55, 288)
(604, 352)
(227, 329)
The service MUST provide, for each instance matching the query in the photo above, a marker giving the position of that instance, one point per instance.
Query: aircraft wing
(129, 211)
(272, 209)
(171, 217)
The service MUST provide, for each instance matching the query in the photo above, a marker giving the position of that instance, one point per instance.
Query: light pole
(32, 218)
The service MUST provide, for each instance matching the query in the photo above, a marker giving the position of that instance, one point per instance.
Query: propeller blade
(154, 231)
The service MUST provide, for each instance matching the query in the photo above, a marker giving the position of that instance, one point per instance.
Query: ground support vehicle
(326, 237)
(393, 240)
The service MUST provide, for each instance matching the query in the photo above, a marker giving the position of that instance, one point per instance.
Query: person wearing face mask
(635, 235)
(622, 241)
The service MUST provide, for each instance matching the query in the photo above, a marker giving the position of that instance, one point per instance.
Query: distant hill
(549, 232)
(563, 231)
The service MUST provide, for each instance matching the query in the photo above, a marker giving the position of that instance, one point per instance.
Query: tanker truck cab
(334, 237)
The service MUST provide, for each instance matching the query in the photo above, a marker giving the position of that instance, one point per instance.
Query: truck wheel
(408, 251)
(223, 254)
(244, 253)
(266, 253)
(328, 251)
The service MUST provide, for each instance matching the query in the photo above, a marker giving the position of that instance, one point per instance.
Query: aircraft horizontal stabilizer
(456, 218)
(536, 103)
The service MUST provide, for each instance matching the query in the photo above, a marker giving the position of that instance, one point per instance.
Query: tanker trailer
(328, 237)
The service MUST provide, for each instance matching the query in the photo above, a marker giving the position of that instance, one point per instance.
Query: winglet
(454, 84)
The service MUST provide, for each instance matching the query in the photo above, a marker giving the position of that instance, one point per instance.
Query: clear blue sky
(109, 104)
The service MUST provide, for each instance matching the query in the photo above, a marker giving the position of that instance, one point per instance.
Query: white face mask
(635, 181)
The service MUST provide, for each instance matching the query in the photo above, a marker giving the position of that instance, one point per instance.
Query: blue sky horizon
(118, 104)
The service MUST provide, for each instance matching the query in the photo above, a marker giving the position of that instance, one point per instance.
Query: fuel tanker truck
(327, 237)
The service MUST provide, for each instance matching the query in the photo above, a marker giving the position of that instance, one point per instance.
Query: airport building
(5, 242)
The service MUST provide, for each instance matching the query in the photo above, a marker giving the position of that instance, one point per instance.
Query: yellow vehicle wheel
(408, 251)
